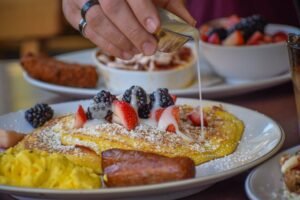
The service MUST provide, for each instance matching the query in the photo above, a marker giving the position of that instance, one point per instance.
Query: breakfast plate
(212, 85)
(259, 187)
(262, 138)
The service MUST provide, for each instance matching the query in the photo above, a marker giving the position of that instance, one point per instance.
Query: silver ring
(82, 25)
(87, 6)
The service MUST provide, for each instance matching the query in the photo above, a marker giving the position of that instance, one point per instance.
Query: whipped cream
(290, 164)
(158, 61)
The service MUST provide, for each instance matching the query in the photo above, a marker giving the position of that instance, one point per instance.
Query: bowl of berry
(245, 48)
(174, 70)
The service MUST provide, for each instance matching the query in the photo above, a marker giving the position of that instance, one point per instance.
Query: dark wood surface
(278, 103)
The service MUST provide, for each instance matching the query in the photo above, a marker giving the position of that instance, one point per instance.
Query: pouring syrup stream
(190, 32)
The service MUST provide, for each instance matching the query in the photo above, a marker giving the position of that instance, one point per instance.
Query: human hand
(124, 28)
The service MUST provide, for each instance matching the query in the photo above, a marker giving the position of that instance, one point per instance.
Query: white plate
(212, 85)
(265, 181)
(262, 138)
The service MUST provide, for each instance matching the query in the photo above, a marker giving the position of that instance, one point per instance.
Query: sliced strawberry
(171, 128)
(169, 119)
(214, 39)
(234, 39)
(267, 39)
(174, 98)
(231, 21)
(80, 117)
(157, 113)
(175, 113)
(194, 118)
(255, 38)
(124, 114)
(279, 37)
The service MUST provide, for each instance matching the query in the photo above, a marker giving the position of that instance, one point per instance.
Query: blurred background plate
(265, 181)
(212, 85)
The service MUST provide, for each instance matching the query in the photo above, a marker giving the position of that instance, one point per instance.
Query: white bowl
(236, 63)
(120, 79)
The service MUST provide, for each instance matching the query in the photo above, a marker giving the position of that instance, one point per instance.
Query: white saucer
(265, 181)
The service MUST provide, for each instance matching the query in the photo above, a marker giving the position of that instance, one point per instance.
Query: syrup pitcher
(174, 32)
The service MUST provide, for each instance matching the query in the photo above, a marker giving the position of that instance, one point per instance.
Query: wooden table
(277, 102)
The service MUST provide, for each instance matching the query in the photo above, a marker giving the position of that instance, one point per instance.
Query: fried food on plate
(129, 168)
(51, 70)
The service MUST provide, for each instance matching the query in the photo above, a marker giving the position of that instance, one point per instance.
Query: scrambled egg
(43, 170)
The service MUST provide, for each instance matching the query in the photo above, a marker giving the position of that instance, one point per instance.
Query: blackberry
(144, 111)
(249, 25)
(162, 96)
(104, 97)
(98, 111)
(101, 106)
(222, 32)
(141, 100)
(38, 115)
(89, 114)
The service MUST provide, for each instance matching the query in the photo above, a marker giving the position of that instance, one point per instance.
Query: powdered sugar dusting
(230, 161)
(150, 134)
(52, 140)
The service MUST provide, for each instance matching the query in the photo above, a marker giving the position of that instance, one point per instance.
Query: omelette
(83, 146)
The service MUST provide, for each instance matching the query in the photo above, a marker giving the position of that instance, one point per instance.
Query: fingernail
(151, 26)
(148, 48)
(127, 55)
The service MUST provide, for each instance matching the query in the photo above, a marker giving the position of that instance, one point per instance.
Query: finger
(70, 9)
(122, 16)
(107, 46)
(178, 8)
(146, 13)
(73, 16)
(72, 12)
(105, 28)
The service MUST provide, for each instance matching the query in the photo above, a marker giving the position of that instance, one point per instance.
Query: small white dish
(116, 79)
(262, 138)
(250, 62)
(265, 181)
